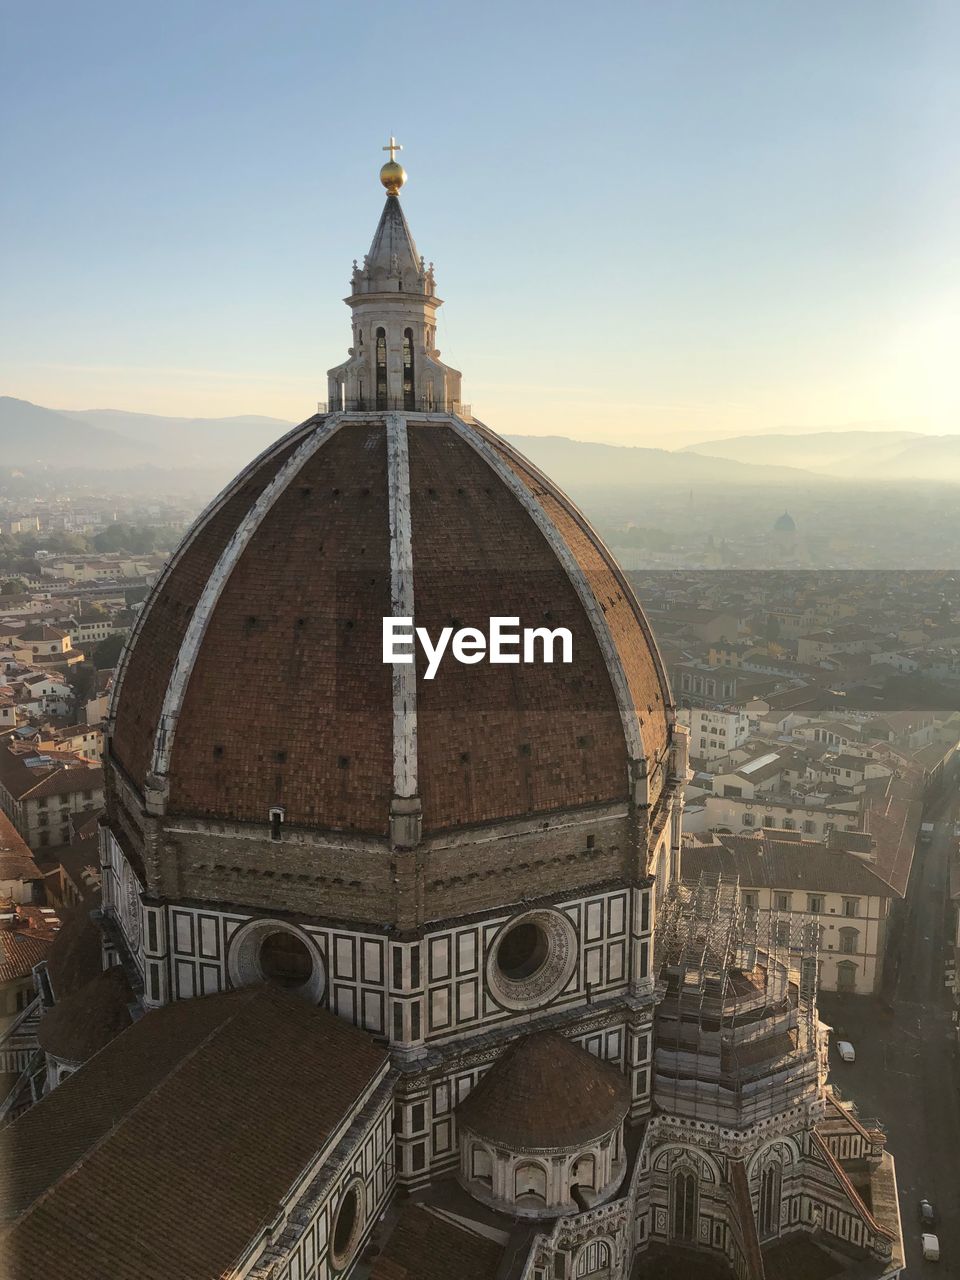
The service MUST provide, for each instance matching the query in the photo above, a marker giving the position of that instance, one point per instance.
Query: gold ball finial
(393, 175)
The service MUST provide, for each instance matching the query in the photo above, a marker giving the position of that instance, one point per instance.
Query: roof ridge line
(613, 562)
(322, 430)
(209, 511)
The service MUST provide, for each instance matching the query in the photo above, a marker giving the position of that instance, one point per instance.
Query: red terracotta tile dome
(545, 1093)
(254, 678)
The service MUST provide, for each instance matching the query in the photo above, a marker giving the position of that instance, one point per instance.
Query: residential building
(786, 880)
(21, 880)
(41, 790)
(715, 732)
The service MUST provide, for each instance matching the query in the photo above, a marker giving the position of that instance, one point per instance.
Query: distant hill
(577, 464)
(34, 436)
(111, 439)
(864, 455)
(926, 458)
(188, 442)
(114, 439)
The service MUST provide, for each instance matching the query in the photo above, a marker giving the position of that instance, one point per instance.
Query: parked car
(931, 1247)
(846, 1051)
(927, 1214)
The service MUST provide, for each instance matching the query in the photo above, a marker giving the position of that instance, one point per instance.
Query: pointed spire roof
(393, 253)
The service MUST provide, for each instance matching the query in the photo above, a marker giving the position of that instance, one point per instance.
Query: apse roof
(546, 1092)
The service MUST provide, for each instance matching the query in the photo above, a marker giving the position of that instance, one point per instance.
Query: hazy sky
(652, 222)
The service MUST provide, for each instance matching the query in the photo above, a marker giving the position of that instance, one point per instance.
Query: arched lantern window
(381, 369)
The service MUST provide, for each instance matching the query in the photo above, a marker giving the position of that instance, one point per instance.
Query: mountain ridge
(856, 454)
(115, 439)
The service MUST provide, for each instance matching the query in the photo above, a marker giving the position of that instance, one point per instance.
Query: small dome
(546, 1093)
(785, 524)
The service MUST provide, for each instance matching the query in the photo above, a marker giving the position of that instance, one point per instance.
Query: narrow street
(907, 1072)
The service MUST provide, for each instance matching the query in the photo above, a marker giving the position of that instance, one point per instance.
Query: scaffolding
(737, 1029)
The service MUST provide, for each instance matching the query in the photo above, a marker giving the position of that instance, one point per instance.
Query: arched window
(594, 1260)
(846, 976)
(381, 369)
(849, 941)
(530, 1180)
(684, 1207)
(408, 382)
(770, 1202)
(584, 1172)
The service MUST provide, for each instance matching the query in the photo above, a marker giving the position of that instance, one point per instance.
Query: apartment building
(835, 889)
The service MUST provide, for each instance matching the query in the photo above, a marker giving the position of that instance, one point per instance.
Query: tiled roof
(545, 1091)
(426, 1246)
(893, 813)
(43, 632)
(303, 606)
(842, 761)
(75, 957)
(16, 860)
(178, 1142)
(81, 1024)
(69, 778)
(65, 773)
(21, 949)
(762, 863)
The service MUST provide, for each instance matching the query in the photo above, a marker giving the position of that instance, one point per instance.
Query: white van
(931, 1247)
(846, 1051)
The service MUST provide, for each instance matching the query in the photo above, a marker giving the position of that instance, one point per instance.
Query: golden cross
(393, 147)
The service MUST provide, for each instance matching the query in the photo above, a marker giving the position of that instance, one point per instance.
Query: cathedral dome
(254, 681)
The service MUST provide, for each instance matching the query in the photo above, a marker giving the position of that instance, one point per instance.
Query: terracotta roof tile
(16, 860)
(631, 632)
(21, 949)
(545, 1092)
(426, 1246)
(170, 606)
(75, 958)
(490, 747)
(177, 1143)
(303, 609)
(79, 1025)
(784, 864)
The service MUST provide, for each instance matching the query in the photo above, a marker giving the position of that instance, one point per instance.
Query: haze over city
(656, 225)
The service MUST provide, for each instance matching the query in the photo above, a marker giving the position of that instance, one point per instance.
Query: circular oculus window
(531, 959)
(273, 951)
(348, 1225)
